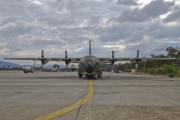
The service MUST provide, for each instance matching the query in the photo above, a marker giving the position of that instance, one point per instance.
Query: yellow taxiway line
(72, 107)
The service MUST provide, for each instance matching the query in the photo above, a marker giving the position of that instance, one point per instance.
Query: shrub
(171, 70)
(146, 70)
(178, 73)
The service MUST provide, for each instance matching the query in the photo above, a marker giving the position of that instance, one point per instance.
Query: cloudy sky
(29, 26)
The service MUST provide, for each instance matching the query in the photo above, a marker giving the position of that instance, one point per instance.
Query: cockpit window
(89, 59)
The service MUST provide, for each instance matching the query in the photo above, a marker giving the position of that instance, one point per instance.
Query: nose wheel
(89, 76)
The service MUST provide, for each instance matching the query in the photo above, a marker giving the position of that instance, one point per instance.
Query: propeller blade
(42, 57)
(66, 55)
(137, 60)
(42, 54)
(137, 54)
(136, 66)
(113, 54)
(66, 67)
(67, 61)
(112, 61)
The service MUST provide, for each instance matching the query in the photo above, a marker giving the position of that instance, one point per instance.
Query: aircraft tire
(80, 76)
(98, 76)
(90, 77)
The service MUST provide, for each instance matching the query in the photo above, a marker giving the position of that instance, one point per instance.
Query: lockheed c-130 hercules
(89, 65)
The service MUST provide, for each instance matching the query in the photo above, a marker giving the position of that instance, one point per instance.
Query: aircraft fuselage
(89, 66)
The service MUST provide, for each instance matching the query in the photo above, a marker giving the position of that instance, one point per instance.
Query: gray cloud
(150, 11)
(127, 2)
(26, 28)
(174, 16)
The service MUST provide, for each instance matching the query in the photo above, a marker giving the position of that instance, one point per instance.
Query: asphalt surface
(116, 96)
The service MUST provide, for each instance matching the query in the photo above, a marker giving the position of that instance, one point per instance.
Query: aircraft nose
(89, 67)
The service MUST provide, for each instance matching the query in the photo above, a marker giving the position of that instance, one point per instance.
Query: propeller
(67, 60)
(137, 60)
(43, 60)
(112, 60)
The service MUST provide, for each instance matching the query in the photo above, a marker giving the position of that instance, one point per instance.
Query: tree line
(165, 67)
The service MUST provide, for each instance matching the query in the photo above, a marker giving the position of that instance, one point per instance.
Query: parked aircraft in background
(28, 69)
(89, 65)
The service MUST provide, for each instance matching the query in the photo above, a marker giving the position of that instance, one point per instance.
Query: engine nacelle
(111, 62)
(45, 61)
(68, 61)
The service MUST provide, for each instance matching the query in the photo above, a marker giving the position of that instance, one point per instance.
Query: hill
(7, 64)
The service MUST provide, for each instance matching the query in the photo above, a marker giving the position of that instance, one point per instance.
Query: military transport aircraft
(89, 65)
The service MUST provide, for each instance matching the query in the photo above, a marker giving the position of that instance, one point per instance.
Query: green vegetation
(102, 65)
(161, 67)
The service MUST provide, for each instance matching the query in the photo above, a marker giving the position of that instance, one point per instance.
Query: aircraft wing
(145, 59)
(116, 59)
(104, 61)
(49, 59)
(73, 60)
(131, 59)
(22, 58)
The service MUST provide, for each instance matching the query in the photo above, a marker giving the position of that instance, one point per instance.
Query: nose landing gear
(80, 75)
(89, 76)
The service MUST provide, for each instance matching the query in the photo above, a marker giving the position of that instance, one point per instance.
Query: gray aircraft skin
(89, 65)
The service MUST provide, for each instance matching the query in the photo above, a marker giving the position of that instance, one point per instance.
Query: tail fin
(89, 47)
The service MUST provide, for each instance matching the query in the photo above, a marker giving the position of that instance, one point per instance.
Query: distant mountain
(48, 66)
(7, 64)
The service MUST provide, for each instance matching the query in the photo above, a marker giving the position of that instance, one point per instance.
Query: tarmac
(115, 96)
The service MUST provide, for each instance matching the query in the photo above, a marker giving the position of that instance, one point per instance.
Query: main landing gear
(80, 75)
(99, 74)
